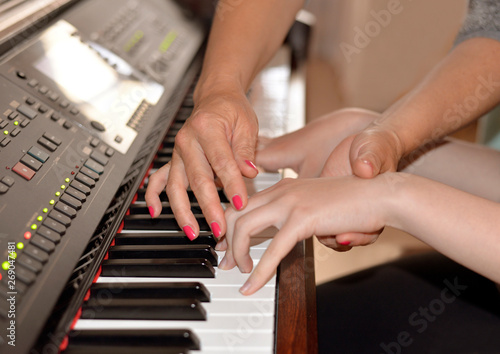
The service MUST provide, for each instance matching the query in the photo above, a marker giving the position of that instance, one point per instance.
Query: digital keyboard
(92, 101)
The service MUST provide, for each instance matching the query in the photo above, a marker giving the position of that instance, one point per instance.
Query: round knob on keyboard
(98, 126)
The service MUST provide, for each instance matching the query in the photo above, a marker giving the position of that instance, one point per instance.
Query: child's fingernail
(244, 289)
(151, 211)
(344, 243)
(251, 164)
(189, 232)
(215, 229)
(238, 204)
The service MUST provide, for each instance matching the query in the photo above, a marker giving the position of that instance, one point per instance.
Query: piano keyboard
(156, 283)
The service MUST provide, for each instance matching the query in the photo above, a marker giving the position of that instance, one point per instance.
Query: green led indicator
(16, 122)
(167, 41)
(39, 218)
(136, 37)
(52, 201)
(58, 194)
(6, 132)
(63, 186)
(5, 265)
(45, 210)
(20, 245)
(34, 227)
(13, 255)
(66, 180)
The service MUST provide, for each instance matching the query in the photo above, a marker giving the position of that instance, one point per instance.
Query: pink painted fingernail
(189, 232)
(151, 211)
(215, 229)
(251, 164)
(238, 204)
(345, 243)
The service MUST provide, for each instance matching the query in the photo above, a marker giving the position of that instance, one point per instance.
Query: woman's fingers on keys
(156, 185)
(177, 186)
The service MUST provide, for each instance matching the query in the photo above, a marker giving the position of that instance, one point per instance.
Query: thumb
(373, 153)
(243, 146)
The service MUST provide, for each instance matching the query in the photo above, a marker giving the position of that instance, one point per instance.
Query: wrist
(217, 83)
(398, 198)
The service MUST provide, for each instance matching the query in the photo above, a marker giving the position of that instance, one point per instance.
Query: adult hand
(370, 152)
(323, 147)
(308, 149)
(217, 140)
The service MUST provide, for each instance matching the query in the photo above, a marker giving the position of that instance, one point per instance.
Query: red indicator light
(27, 235)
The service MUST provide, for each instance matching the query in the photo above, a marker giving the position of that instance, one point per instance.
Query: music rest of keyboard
(71, 175)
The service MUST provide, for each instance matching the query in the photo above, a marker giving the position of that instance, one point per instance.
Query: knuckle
(182, 138)
(172, 188)
(198, 182)
(221, 163)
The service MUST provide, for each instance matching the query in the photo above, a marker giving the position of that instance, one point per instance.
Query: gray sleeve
(483, 20)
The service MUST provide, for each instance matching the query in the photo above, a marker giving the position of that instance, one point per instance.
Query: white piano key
(232, 292)
(234, 350)
(223, 277)
(247, 323)
(218, 307)
(222, 335)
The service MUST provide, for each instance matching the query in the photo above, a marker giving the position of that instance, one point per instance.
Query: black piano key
(175, 290)
(166, 150)
(141, 309)
(141, 192)
(163, 238)
(160, 161)
(173, 268)
(86, 349)
(176, 125)
(141, 208)
(164, 252)
(105, 340)
(168, 141)
(161, 222)
(184, 113)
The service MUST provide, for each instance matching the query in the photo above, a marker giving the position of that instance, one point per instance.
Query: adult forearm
(465, 85)
(463, 227)
(243, 38)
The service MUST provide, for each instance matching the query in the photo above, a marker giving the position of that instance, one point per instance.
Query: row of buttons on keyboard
(33, 160)
(54, 226)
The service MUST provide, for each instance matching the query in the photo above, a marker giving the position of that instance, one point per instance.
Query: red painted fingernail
(251, 164)
(238, 204)
(151, 211)
(345, 243)
(215, 229)
(189, 232)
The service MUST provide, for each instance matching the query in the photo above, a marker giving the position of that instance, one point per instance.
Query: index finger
(282, 243)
